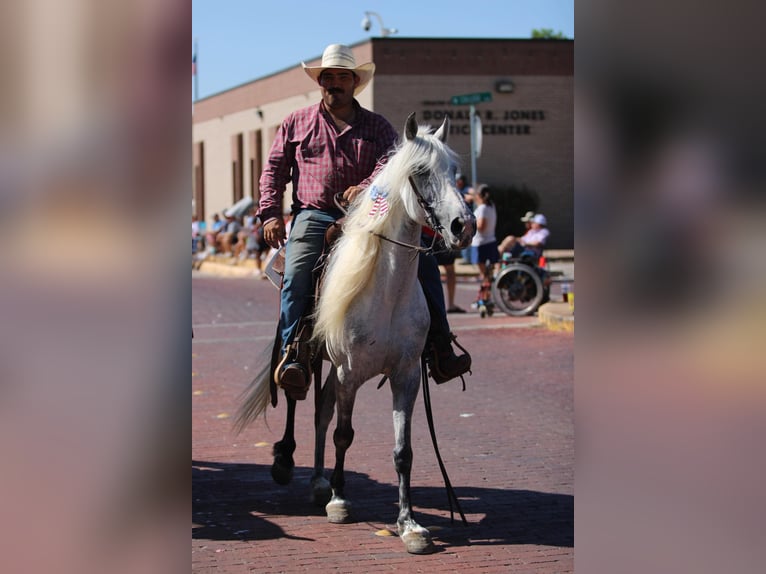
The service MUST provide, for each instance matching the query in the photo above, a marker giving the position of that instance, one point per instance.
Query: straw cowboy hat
(338, 56)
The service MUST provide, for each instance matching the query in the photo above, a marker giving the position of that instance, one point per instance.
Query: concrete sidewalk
(556, 315)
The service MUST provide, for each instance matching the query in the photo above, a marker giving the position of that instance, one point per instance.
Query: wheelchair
(522, 284)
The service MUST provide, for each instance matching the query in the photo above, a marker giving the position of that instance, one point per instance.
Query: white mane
(355, 254)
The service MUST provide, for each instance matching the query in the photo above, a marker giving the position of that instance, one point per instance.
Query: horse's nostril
(457, 226)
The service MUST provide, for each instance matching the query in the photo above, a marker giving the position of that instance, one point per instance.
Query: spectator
(484, 243)
(195, 234)
(228, 238)
(446, 259)
(248, 227)
(462, 186)
(467, 192)
(211, 237)
(533, 240)
(527, 219)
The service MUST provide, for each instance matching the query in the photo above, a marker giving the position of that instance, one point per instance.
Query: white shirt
(536, 236)
(489, 213)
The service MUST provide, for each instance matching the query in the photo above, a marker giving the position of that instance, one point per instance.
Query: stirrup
(436, 372)
(292, 376)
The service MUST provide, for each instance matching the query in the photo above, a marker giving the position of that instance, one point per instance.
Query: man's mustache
(335, 91)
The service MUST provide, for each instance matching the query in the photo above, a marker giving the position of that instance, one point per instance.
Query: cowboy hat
(528, 216)
(341, 57)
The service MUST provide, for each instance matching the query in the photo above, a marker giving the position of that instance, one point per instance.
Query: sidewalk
(555, 315)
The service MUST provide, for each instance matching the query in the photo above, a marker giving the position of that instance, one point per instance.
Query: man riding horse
(333, 147)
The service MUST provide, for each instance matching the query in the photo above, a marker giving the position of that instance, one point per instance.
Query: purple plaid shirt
(320, 161)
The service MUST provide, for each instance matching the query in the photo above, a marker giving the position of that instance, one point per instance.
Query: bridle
(431, 221)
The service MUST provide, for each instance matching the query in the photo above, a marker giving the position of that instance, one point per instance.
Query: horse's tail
(256, 397)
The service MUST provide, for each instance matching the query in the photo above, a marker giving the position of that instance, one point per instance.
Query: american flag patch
(379, 204)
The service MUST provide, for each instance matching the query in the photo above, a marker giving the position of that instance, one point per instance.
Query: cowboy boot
(293, 373)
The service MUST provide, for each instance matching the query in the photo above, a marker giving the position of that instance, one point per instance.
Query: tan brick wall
(540, 157)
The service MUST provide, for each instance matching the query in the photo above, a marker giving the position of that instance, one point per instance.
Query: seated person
(533, 240)
(248, 227)
(195, 234)
(228, 238)
(211, 237)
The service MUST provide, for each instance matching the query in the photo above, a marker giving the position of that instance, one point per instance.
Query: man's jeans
(304, 247)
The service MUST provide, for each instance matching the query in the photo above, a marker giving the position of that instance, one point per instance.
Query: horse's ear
(443, 130)
(410, 127)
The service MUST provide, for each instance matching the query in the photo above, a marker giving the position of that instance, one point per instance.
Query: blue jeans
(302, 251)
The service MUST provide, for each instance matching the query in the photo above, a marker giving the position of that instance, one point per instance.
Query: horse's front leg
(325, 405)
(416, 539)
(339, 509)
(282, 467)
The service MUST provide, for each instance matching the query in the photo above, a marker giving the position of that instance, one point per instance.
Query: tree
(547, 34)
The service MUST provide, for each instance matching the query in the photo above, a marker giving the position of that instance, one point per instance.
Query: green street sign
(467, 99)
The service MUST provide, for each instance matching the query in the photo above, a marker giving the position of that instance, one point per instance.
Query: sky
(241, 40)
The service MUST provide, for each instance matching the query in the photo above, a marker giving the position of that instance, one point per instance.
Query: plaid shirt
(321, 162)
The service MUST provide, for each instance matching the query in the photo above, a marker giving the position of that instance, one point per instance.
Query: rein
(451, 496)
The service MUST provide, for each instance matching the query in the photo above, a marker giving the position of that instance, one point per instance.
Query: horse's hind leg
(325, 405)
(282, 468)
(338, 509)
(416, 539)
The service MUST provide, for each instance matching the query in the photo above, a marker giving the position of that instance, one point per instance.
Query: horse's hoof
(338, 512)
(418, 541)
(281, 474)
(321, 491)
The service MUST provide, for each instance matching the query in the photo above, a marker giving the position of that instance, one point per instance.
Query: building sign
(513, 122)
(466, 99)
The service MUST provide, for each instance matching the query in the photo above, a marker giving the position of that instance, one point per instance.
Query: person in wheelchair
(530, 245)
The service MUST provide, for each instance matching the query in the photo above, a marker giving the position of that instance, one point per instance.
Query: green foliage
(547, 34)
(512, 203)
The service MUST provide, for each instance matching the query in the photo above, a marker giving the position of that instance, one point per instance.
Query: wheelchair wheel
(518, 290)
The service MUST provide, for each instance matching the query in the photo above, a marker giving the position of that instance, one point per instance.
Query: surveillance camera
(366, 24)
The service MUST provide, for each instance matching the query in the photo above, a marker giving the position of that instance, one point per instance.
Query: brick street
(507, 443)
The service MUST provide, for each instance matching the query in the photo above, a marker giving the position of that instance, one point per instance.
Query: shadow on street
(231, 500)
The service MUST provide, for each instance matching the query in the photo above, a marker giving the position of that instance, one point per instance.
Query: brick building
(527, 127)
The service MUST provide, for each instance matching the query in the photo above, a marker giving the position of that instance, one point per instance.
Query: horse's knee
(343, 437)
(403, 458)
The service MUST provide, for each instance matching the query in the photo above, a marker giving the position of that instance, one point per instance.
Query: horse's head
(433, 182)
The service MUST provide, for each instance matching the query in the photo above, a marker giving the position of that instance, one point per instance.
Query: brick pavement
(507, 442)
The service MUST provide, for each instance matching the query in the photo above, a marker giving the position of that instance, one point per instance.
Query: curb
(227, 270)
(556, 316)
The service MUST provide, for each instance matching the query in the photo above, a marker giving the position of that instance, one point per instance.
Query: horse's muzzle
(462, 231)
